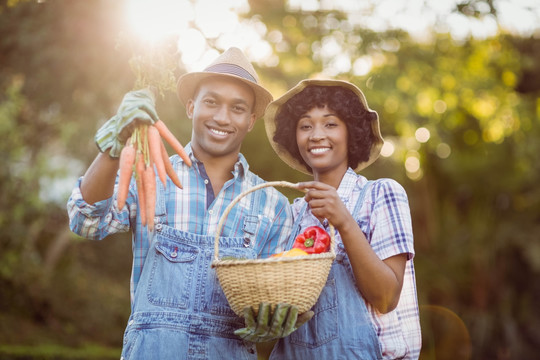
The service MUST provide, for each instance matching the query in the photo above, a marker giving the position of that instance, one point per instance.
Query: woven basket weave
(296, 280)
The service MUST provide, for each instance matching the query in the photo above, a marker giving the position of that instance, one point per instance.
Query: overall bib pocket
(172, 275)
(323, 326)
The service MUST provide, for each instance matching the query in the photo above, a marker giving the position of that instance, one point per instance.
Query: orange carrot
(168, 167)
(154, 145)
(149, 181)
(139, 169)
(127, 159)
(171, 139)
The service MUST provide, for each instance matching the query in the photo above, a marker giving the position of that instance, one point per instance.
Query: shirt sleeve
(390, 224)
(97, 221)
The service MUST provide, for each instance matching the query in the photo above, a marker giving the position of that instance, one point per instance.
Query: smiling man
(178, 308)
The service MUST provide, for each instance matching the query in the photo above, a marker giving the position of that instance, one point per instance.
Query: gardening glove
(137, 107)
(268, 327)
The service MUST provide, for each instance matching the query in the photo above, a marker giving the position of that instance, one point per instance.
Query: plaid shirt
(386, 220)
(193, 209)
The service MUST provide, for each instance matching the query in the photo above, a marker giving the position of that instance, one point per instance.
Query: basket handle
(254, 188)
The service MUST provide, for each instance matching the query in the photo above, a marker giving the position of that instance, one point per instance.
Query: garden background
(457, 88)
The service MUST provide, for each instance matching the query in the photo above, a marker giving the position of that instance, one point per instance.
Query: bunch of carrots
(145, 150)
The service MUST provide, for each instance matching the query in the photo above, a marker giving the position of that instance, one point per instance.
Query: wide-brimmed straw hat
(274, 108)
(231, 64)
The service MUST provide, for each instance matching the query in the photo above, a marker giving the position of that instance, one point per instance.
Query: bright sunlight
(193, 23)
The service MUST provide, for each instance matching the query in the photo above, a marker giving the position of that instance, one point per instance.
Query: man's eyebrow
(235, 100)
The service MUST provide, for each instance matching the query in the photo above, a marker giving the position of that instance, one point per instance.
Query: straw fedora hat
(274, 108)
(232, 64)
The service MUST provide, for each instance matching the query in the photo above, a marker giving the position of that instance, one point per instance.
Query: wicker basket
(296, 280)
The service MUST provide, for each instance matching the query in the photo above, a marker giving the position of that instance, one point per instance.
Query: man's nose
(221, 115)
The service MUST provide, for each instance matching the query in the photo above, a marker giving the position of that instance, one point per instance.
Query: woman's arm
(379, 281)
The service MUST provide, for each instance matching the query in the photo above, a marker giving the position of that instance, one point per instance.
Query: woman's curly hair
(345, 103)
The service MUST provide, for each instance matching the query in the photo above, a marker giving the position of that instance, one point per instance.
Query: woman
(368, 308)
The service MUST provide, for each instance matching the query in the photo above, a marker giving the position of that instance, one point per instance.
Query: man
(178, 308)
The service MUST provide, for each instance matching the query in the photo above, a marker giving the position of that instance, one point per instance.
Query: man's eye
(209, 102)
(239, 109)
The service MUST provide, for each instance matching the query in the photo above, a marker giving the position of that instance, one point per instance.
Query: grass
(57, 352)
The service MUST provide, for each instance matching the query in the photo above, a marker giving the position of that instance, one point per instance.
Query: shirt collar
(347, 185)
(240, 169)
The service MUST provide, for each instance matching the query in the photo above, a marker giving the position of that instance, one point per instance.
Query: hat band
(232, 70)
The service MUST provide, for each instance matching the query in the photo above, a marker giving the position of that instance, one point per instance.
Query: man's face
(221, 113)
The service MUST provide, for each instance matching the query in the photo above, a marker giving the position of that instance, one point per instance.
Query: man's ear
(252, 120)
(189, 109)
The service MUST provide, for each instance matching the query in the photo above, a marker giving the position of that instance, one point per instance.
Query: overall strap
(361, 197)
(296, 225)
(251, 220)
(340, 249)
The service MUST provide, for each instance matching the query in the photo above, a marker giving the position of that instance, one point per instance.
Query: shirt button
(247, 242)
(174, 254)
(131, 322)
(210, 212)
(206, 181)
(158, 226)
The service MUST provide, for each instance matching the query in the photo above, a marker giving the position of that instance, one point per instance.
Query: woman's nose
(317, 134)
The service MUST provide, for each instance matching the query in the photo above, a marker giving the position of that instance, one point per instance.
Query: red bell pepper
(314, 240)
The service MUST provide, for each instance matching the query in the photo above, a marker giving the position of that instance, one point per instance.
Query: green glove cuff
(271, 326)
(137, 107)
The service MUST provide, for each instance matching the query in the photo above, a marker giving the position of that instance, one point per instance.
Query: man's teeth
(319, 150)
(219, 132)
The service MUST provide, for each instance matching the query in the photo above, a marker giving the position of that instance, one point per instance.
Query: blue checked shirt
(193, 209)
(385, 219)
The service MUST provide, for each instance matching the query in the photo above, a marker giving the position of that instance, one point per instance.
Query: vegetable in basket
(314, 240)
(291, 253)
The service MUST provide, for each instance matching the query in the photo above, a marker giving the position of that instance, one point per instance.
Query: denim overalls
(341, 327)
(179, 310)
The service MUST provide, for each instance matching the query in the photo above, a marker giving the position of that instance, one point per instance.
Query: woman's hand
(325, 203)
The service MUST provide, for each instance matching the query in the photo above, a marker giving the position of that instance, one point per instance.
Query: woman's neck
(332, 178)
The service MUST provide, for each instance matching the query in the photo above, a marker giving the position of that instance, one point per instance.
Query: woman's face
(321, 137)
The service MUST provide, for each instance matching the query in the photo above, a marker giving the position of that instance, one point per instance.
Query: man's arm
(137, 107)
(98, 181)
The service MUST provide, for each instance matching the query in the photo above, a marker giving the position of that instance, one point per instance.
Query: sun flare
(154, 19)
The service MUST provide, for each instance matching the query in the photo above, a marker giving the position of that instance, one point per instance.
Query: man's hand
(137, 107)
(267, 326)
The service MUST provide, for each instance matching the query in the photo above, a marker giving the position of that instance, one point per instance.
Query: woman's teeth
(319, 150)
